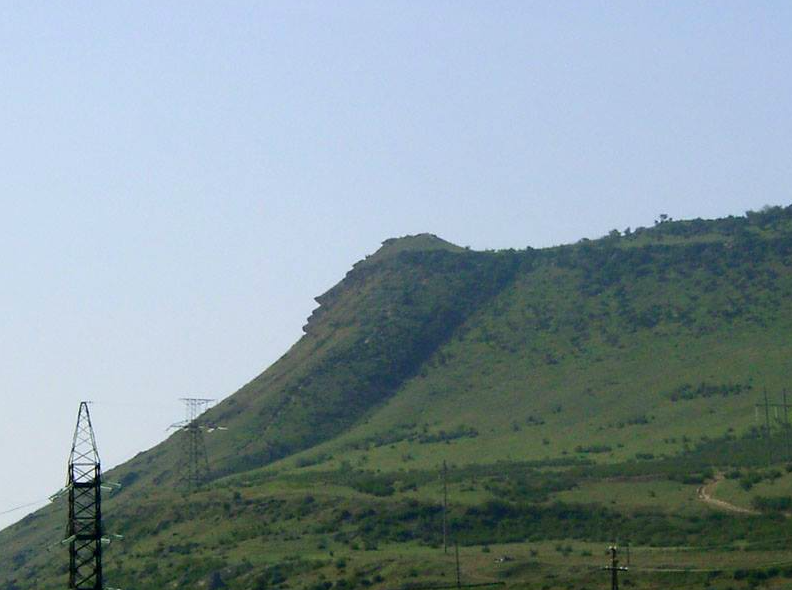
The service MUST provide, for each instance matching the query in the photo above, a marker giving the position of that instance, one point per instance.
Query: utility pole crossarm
(614, 568)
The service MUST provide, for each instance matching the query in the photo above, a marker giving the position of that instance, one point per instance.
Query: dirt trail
(706, 491)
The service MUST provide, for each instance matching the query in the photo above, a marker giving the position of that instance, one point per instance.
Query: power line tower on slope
(84, 532)
(194, 468)
(784, 421)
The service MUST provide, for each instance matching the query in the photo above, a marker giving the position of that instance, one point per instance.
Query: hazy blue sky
(178, 180)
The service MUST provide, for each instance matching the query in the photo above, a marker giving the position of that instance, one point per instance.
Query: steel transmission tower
(195, 462)
(785, 424)
(84, 532)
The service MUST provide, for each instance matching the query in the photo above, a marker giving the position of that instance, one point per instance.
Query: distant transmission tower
(195, 462)
(84, 532)
(785, 407)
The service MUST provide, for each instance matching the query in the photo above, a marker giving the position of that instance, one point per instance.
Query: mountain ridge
(632, 350)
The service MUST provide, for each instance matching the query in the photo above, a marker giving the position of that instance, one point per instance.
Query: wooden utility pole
(614, 567)
(445, 507)
(458, 574)
(768, 438)
(767, 425)
(786, 425)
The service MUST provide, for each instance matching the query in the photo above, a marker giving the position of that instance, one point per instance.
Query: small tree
(216, 581)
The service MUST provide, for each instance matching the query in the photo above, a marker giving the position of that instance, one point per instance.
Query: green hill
(578, 393)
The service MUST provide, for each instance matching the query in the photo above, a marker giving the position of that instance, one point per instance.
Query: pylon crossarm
(59, 494)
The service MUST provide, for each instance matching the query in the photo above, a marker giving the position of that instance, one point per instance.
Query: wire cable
(732, 545)
(23, 506)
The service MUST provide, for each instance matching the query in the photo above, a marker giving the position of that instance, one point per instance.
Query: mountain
(576, 393)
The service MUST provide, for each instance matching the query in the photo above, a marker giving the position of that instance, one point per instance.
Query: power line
(671, 570)
(131, 404)
(23, 506)
(449, 586)
(715, 569)
(731, 545)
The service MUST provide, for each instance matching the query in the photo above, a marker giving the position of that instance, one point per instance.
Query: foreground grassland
(522, 525)
(581, 395)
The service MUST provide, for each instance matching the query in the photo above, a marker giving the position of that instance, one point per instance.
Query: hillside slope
(632, 351)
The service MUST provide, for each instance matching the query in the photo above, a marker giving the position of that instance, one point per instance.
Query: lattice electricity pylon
(84, 532)
(194, 468)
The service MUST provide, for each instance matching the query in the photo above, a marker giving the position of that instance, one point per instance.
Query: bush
(772, 503)
(376, 486)
(593, 449)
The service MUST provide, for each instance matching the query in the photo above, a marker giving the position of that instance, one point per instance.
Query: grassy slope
(547, 367)
(427, 352)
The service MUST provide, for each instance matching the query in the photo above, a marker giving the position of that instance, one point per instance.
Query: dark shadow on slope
(405, 307)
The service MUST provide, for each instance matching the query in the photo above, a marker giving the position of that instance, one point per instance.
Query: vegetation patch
(687, 391)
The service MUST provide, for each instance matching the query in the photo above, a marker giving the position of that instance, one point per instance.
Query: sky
(178, 180)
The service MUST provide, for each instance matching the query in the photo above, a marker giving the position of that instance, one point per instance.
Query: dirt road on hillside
(705, 494)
